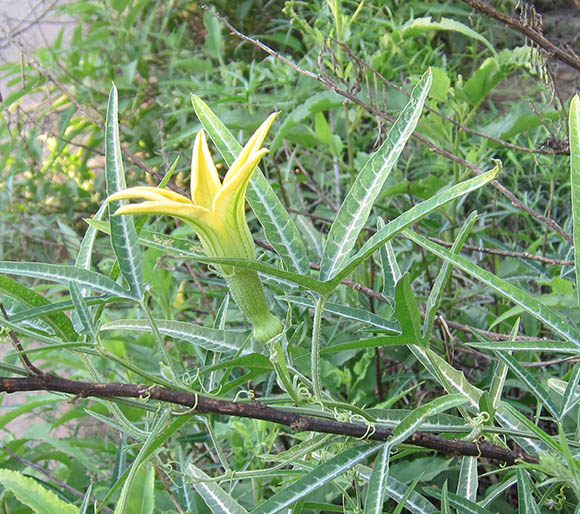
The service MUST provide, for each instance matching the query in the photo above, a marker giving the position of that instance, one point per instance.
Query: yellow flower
(216, 212)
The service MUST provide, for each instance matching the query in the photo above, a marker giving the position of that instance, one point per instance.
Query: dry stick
(256, 410)
(528, 31)
(377, 112)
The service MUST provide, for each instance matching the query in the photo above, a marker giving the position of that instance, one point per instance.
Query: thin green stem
(278, 360)
(315, 352)
(158, 338)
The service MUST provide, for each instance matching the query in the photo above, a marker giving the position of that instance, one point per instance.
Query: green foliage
(464, 336)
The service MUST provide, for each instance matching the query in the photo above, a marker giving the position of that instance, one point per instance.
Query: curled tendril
(188, 380)
(342, 417)
(191, 410)
(250, 393)
(145, 394)
(370, 431)
(560, 499)
(482, 417)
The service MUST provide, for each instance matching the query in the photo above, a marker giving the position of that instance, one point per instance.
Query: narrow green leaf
(413, 215)
(391, 270)
(141, 495)
(413, 421)
(434, 299)
(421, 25)
(526, 503)
(321, 475)
(208, 338)
(531, 383)
(540, 345)
(468, 479)
(407, 311)
(399, 492)
(512, 418)
(279, 228)
(369, 181)
(65, 305)
(123, 233)
(30, 405)
(574, 121)
(33, 495)
(162, 431)
(82, 309)
(376, 488)
(571, 395)
(462, 505)
(58, 321)
(218, 500)
(451, 379)
(371, 342)
(525, 300)
(84, 508)
(364, 316)
(319, 102)
(445, 509)
(64, 274)
(500, 373)
(83, 259)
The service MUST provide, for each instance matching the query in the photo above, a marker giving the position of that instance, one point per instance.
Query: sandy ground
(32, 23)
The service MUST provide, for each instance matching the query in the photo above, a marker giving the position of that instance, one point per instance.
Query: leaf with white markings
(377, 483)
(526, 502)
(468, 479)
(413, 421)
(123, 233)
(357, 205)
(574, 122)
(208, 338)
(218, 500)
(411, 217)
(64, 274)
(520, 297)
(314, 480)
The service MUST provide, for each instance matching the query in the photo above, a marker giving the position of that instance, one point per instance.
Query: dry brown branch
(256, 410)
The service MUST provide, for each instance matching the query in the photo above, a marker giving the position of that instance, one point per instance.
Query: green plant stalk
(158, 338)
(315, 351)
(248, 293)
(278, 360)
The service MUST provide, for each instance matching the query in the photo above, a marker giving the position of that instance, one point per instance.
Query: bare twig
(527, 30)
(257, 410)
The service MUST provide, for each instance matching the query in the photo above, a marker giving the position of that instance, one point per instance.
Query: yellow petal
(234, 190)
(148, 193)
(192, 213)
(205, 181)
(252, 146)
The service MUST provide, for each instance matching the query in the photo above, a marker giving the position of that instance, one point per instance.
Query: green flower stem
(248, 293)
(278, 360)
(315, 351)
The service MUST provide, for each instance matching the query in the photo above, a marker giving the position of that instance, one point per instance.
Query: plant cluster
(371, 307)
